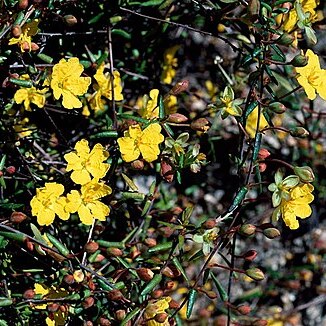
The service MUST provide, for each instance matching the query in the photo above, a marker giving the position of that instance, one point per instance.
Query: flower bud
(250, 255)
(305, 173)
(277, 107)
(177, 118)
(145, 274)
(115, 295)
(210, 223)
(255, 273)
(247, 229)
(169, 285)
(167, 271)
(22, 4)
(120, 315)
(161, 317)
(137, 165)
(180, 87)
(156, 294)
(26, 46)
(285, 39)
(260, 322)
(299, 61)
(167, 171)
(271, 233)
(150, 242)
(11, 169)
(34, 46)
(53, 307)
(16, 31)
(29, 294)
(17, 217)
(91, 247)
(262, 167)
(114, 252)
(115, 19)
(106, 322)
(70, 20)
(88, 302)
(99, 258)
(173, 304)
(201, 124)
(69, 279)
(244, 309)
(299, 132)
(263, 153)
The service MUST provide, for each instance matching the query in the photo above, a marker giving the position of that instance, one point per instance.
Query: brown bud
(167, 171)
(180, 87)
(250, 255)
(34, 46)
(99, 258)
(26, 46)
(106, 322)
(150, 242)
(114, 252)
(29, 294)
(305, 173)
(166, 271)
(16, 31)
(91, 247)
(63, 308)
(145, 274)
(88, 323)
(1, 173)
(255, 273)
(11, 169)
(161, 317)
(88, 302)
(29, 245)
(271, 233)
(177, 118)
(17, 217)
(173, 304)
(120, 314)
(22, 4)
(156, 294)
(69, 279)
(53, 307)
(210, 223)
(247, 229)
(135, 252)
(262, 167)
(263, 153)
(253, 7)
(70, 20)
(201, 124)
(115, 295)
(177, 210)
(138, 164)
(167, 231)
(244, 309)
(169, 285)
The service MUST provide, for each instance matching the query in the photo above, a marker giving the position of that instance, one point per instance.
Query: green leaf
(152, 3)
(223, 294)
(191, 302)
(179, 267)
(160, 247)
(96, 18)
(152, 284)
(121, 33)
(3, 161)
(130, 316)
(61, 248)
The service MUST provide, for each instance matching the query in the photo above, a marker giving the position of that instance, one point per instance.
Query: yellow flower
(136, 142)
(149, 109)
(296, 206)
(30, 95)
(58, 317)
(85, 163)
(23, 129)
(311, 77)
(228, 105)
(156, 307)
(104, 81)
(25, 38)
(86, 202)
(169, 65)
(48, 202)
(66, 82)
(211, 90)
(171, 104)
(251, 124)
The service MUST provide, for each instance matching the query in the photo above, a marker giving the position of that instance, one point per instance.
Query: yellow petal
(85, 215)
(69, 100)
(80, 176)
(129, 151)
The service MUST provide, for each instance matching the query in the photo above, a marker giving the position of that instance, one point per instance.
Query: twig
(90, 233)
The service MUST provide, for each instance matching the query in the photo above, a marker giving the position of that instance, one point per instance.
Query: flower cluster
(23, 37)
(311, 77)
(291, 199)
(155, 312)
(84, 163)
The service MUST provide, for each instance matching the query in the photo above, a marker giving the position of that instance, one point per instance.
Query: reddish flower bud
(210, 223)
(53, 307)
(305, 173)
(201, 124)
(114, 252)
(115, 295)
(70, 20)
(263, 153)
(88, 302)
(138, 164)
(169, 285)
(156, 294)
(69, 279)
(247, 229)
(17, 217)
(22, 4)
(271, 233)
(161, 317)
(34, 47)
(255, 273)
(260, 322)
(173, 304)
(106, 322)
(250, 255)
(244, 309)
(180, 87)
(177, 118)
(145, 274)
(262, 167)
(120, 314)
(91, 247)
(29, 294)
(150, 242)
(16, 31)
(299, 132)
(167, 171)
(11, 169)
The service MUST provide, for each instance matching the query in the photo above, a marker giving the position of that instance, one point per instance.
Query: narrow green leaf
(13, 236)
(108, 244)
(238, 199)
(191, 302)
(223, 294)
(160, 247)
(61, 248)
(152, 284)
(96, 18)
(130, 316)
(45, 57)
(179, 267)
(21, 82)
